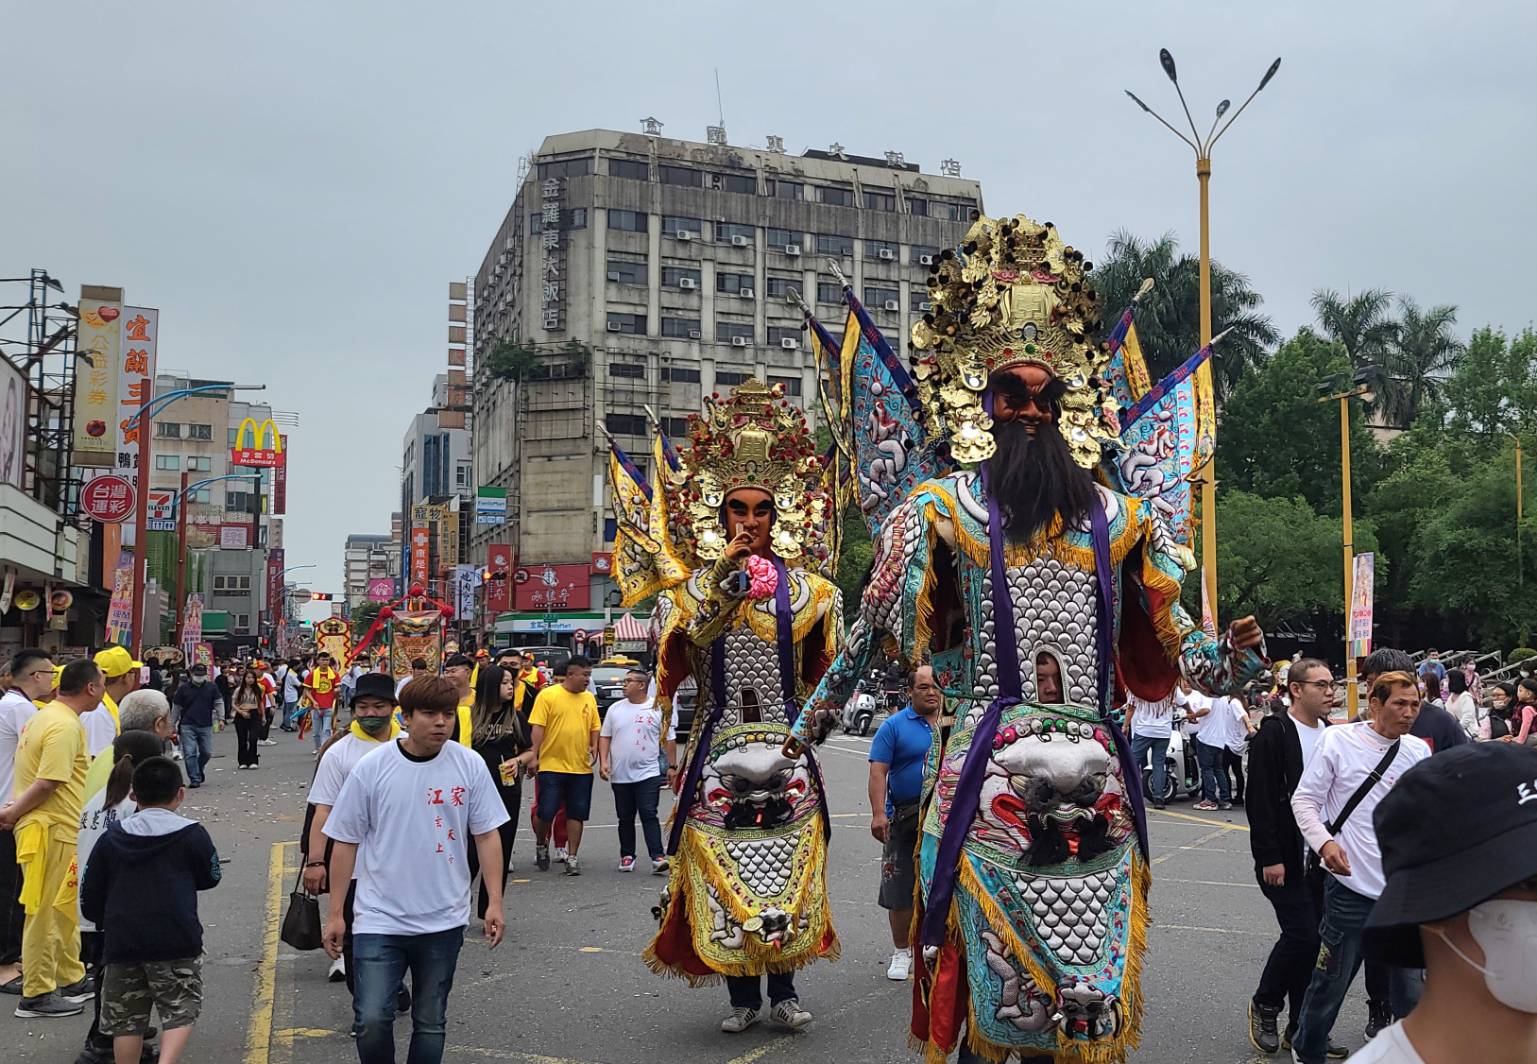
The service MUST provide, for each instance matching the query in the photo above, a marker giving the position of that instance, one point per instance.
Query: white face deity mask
(1506, 930)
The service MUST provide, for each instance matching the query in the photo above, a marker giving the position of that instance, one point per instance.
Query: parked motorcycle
(1182, 773)
(859, 713)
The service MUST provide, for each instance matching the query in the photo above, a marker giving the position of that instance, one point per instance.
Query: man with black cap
(1459, 849)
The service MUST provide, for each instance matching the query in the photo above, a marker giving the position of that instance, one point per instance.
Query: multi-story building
(437, 481)
(366, 559)
(635, 270)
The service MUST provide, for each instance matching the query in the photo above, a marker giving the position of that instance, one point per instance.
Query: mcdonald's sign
(268, 451)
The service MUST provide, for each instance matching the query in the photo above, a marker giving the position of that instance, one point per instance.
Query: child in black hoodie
(140, 887)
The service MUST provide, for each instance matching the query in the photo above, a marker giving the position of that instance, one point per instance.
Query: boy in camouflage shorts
(140, 888)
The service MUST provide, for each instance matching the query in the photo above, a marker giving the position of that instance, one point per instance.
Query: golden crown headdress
(753, 438)
(1013, 295)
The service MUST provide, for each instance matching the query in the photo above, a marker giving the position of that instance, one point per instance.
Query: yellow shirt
(52, 747)
(568, 721)
(465, 722)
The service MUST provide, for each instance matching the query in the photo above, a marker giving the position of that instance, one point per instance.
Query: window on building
(627, 221)
(779, 287)
(625, 424)
(837, 197)
(835, 244)
(238, 500)
(168, 461)
(726, 331)
(623, 271)
(575, 218)
(199, 432)
(731, 232)
(917, 205)
(566, 168)
(232, 434)
(954, 212)
(791, 385)
(876, 296)
(218, 583)
(680, 375)
(675, 426)
(880, 200)
(243, 623)
(778, 333)
(200, 495)
(881, 251)
(632, 370)
(829, 291)
(200, 463)
(171, 430)
(783, 189)
(673, 224)
(634, 169)
(780, 238)
(725, 378)
(919, 252)
(733, 283)
(744, 183)
(627, 323)
(682, 328)
(674, 276)
(461, 476)
(679, 175)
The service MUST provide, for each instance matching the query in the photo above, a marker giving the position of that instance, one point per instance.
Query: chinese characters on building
(552, 303)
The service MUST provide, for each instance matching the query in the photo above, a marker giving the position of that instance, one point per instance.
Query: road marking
(512, 1054)
(762, 1051)
(1197, 844)
(1206, 882)
(1217, 930)
(288, 1034)
(1199, 819)
(258, 1044)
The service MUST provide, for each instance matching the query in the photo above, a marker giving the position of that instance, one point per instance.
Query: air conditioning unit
(789, 343)
(740, 242)
(925, 306)
(613, 326)
(925, 260)
(792, 249)
(687, 282)
(886, 255)
(693, 334)
(739, 341)
(613, 275)
(892, 304)
(745, 293)
(684, 234)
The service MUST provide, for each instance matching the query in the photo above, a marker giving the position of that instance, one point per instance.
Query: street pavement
(568, 986)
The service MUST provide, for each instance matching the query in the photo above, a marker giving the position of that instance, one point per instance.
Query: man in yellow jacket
(44, 814)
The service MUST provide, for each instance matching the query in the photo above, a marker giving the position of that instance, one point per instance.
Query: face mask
(373, 725)
(1506, 931)
(200, 680)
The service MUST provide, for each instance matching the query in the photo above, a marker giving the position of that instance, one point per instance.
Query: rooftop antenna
(717, 134)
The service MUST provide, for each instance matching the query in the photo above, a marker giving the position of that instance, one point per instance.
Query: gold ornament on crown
(753, 438)
(1013, 295)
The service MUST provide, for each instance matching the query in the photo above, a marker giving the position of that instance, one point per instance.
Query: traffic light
(320, 596)
(488, 575)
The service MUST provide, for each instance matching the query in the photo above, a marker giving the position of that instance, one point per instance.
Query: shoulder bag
(1314, 866)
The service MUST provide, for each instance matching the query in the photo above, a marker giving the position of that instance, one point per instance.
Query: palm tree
(1169, 317)
(1360, 324)
(1422, 359)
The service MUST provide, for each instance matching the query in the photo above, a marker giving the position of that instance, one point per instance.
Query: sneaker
(1160, 805)
(1378, 1016)
(83, 989)
(13, 987)
(560, 854)
(1262, 1027)
(740, 1019)
(1224, 806)
(574, 868)
(47, 1007)
(268, 742)
(659, 866)
(175, 755)
(542, 858)
(1334, 1052)
(901, 965)
(1203, 804)
(790, 1013)
(626, 864)
(338, 972)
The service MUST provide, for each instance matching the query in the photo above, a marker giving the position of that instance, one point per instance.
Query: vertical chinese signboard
(421, 559)
(275, 585)
(280, 479)
(96, 369)
(135, 384)
(552, 301)
(499, 562)
(1362, 586)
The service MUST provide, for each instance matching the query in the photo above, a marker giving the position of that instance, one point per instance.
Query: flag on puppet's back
(635, 548)
(885, 420)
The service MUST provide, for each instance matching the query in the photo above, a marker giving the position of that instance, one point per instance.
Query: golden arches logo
(268, 451)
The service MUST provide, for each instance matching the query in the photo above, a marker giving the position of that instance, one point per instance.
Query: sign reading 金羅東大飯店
(257, 446)
(550, 587)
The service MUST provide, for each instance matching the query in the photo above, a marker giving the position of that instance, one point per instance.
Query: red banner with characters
(499, 587)
(543, 587)
(280, 480)
(275, 584)
(421, 561)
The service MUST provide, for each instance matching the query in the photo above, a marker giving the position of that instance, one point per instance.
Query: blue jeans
(630, 798)
(290, 715)
(1214, 781)
(746, 992)
(196, 748)
(321, 720)
(381, 961)
(1140, 745)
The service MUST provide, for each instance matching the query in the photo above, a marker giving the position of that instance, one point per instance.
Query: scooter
(1182, 773)
(859, 714)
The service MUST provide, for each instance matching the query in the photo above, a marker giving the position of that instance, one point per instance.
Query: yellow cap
(115, 661)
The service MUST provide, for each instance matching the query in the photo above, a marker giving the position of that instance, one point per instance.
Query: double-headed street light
(1202, 147)
(1362, 391)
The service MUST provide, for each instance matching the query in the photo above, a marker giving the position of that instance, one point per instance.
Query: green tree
(363, 618)
(1169, 317)
(1493, 390)
(1361, 324)
(1424, 355)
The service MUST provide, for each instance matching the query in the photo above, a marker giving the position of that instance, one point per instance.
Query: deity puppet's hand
(1245, 634)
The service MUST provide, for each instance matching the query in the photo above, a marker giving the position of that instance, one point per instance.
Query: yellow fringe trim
(923, 605)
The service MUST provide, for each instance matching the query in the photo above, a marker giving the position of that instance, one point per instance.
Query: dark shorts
(573, 790)
(173, 988)
(898, 858)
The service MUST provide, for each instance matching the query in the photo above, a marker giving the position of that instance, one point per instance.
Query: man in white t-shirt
(1212, 738)
(290, 681)
(630, 758)
(1347, 757)
(403, 823)
(31, 678)
(1152, 725)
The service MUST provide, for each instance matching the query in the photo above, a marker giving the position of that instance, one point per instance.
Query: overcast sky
(295, 184)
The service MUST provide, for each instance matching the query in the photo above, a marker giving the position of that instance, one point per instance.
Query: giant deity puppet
(733, 537)
(1041, 593)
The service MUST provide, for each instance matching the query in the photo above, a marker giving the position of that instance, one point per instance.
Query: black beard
(1035, 479)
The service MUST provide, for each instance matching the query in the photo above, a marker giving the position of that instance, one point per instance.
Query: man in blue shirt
(898, 755)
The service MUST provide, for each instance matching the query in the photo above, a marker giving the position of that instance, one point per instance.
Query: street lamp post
(1364, 393)
(1202, 148)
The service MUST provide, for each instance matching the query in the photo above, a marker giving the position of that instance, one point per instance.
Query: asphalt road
(568, 987)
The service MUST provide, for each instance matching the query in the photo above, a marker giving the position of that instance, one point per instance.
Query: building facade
(638, 271)
(366, 559)
(437, 483)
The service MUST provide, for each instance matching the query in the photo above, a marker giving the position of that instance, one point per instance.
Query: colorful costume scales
(747, 891)
(1031, 906)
